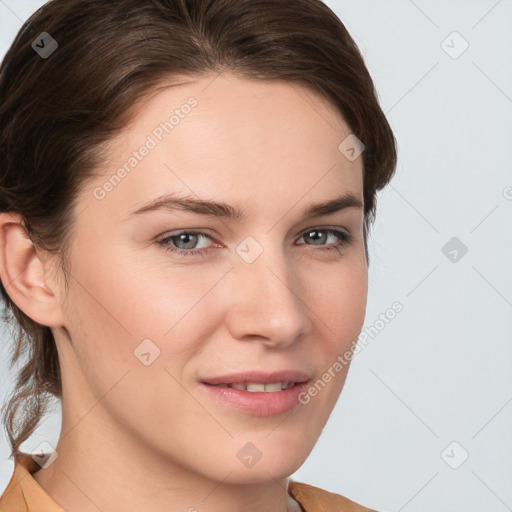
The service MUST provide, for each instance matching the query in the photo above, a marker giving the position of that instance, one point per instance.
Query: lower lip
(258, 403)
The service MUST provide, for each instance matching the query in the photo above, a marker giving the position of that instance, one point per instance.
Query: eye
(321, 235)
(188, 243)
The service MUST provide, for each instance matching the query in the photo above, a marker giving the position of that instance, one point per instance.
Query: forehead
(222, 135)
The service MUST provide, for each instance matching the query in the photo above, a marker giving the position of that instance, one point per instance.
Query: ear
(25, 274)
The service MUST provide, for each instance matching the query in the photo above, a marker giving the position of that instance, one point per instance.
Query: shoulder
(314, 499)
(23, 493)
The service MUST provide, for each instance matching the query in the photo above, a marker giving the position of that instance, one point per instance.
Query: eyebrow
(171, 203)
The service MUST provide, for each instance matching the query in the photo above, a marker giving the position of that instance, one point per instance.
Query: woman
(186, 191)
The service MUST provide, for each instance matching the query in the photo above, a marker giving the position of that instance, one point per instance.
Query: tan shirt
(24, 494)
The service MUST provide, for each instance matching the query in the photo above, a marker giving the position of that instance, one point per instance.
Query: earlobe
(22, 271)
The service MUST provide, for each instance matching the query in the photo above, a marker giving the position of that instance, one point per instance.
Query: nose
(266, 305)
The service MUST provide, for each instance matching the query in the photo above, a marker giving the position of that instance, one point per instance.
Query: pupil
(317, 238)
(184, 236)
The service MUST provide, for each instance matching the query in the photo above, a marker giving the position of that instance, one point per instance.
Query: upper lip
(259, 377)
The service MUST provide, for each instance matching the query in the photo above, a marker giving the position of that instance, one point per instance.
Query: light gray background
(441, 370)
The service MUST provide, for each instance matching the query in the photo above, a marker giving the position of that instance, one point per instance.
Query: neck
(96, 471)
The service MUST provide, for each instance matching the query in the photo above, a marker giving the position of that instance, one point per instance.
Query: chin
(270, 455)
(263, 472)
(256, 457)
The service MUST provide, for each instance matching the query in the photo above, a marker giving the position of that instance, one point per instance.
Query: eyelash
(345, 239)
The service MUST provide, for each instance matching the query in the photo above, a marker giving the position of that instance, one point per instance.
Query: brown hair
(58, 113)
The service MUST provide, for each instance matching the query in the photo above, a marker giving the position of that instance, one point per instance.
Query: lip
(258, 403)
(257, 376)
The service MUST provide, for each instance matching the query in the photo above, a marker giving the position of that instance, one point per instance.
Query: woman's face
(272, 296)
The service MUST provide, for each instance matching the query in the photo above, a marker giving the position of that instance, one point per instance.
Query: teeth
(256, 387)
(253, 387)
(276, 386)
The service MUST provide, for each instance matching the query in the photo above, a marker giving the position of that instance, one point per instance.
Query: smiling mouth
(256, 387)
(257, 393)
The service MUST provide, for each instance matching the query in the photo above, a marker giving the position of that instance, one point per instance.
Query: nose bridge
(267, 302)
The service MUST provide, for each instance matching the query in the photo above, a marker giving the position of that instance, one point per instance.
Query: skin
(138, 437)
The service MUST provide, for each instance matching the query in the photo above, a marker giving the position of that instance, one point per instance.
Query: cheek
(339, 300)
(113, 308)
(134, 297)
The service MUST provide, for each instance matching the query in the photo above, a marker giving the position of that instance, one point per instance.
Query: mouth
(258, 387)
(256, 393)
